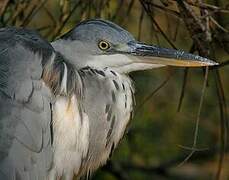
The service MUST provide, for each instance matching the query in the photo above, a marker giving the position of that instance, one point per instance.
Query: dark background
(170, 101)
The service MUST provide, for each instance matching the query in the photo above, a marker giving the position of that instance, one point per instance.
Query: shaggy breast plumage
(108, 103)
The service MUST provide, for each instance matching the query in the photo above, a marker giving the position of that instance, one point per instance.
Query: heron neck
(72, 52)
(61, 76)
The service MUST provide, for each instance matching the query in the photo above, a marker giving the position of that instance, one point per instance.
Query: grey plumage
(65, 106)
(31, 73)
(105, 115)
(89, 31)
(25, 148)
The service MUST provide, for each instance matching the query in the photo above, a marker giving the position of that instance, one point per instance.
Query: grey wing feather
(25, 114)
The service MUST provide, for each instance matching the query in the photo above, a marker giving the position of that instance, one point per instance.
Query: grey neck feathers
(72, 51)
(62, 77)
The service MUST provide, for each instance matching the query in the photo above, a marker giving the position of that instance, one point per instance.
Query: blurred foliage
(161, 135)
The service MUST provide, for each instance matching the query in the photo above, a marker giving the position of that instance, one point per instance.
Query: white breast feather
(71, 137)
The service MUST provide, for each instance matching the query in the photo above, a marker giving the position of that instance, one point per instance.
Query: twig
(33, 12)
(66, 19)
(223, 122)
(154, 91)
(207, 6)
(193, 148)
(119, 7)
(183, 89)
(130, 7)
(170, 11)
(218, 25)
(3, 6)
(184, 82)
(157, 25)
(140, 23)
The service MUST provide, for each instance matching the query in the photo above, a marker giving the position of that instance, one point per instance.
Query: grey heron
(65, 105)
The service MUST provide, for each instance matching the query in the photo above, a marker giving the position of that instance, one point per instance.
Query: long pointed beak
(156, 55)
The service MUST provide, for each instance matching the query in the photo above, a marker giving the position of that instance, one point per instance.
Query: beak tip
(213, 63)
(207, 62)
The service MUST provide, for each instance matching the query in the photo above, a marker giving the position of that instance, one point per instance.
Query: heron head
(100, 44)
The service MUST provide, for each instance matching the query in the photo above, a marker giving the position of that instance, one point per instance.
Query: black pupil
(104, 45)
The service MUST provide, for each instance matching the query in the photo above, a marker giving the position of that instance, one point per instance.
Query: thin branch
(154, 92)
(184, 82)
(140, 23)
(157, 25)
(183, 89)
(218, 25)
(3, 6)
(164, 9)
(223, 122)
(66, 19)
(130, 7)
(193, 148)
(33, 12)
(207, 6)
(119, 7)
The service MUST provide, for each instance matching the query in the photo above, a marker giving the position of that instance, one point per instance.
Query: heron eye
(103, 45)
